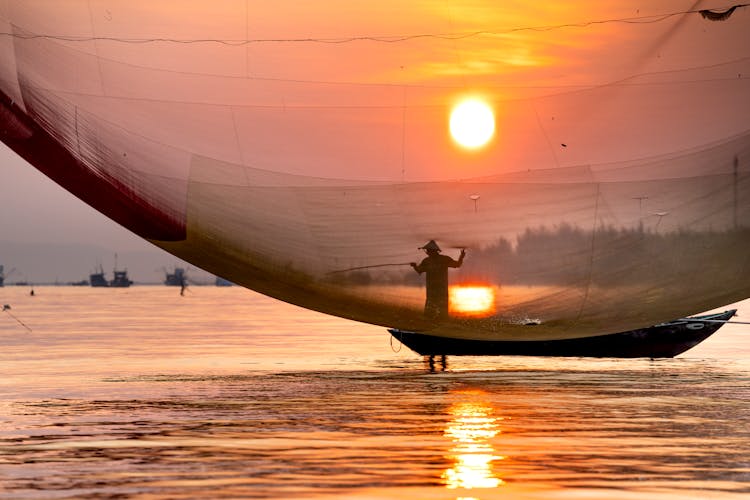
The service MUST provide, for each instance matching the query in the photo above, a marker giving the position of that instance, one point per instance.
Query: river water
(141, 393)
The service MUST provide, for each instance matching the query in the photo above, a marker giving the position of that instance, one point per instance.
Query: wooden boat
(664, 340)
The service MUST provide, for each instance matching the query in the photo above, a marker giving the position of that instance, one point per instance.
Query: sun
(472, 123)
(472, 300)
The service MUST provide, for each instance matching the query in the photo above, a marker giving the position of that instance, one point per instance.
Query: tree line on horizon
(567, 255)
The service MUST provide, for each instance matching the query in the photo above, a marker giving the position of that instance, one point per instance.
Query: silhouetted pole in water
(6, 309)
(436, 267)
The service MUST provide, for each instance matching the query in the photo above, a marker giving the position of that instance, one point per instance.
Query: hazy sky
(36, 210)
(48, 235)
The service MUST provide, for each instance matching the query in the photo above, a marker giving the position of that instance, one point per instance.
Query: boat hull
(665, 340)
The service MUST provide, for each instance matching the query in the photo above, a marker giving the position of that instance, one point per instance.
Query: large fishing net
(302, 150)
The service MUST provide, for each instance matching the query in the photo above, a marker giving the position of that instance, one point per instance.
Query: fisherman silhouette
(436, 266)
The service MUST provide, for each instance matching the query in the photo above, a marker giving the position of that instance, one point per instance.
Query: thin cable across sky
(651, 19)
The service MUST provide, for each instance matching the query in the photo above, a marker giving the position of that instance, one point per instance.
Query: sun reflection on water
(472, 429)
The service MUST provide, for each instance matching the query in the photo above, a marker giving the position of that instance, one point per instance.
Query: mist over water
(142, 393)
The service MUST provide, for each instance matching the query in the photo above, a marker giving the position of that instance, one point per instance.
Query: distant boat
(177, 278)
(121, 280)
(223, 282)
(665, 340)
(98, 279)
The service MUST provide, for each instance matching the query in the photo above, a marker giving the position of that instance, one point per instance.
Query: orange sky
(317, 109)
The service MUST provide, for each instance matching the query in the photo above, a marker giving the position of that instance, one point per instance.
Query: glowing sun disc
(472, 300)
(472, 123)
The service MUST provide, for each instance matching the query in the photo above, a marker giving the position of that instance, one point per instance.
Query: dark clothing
(436, 266)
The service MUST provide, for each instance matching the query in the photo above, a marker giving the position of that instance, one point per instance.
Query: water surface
(141, 393)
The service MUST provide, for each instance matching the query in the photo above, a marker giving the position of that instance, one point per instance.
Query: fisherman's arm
(460, 261)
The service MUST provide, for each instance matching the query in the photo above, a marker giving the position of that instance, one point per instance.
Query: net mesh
(614, 195)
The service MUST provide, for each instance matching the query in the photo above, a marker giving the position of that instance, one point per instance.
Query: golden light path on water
(472, 429)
